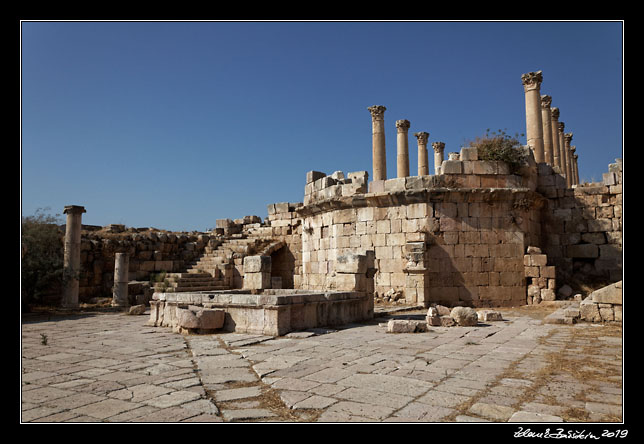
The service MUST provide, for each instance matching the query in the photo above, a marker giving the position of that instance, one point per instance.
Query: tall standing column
(71, 259)
(576, 158)
(567, 140)
(423, 160)
(378, 141)
(403, 148)
(554, 126)
(439, 149)
(546, 101)
(562, 148)
(534, 127)
(119, 292)
(573, 165)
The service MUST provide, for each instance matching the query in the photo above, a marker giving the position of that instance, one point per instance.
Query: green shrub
(500, 146)
(42, 257)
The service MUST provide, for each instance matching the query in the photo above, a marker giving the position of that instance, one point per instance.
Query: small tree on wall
(500, 146)
(42, 251)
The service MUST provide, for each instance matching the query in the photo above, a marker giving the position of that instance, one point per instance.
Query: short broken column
(439, 149)
(71, 260)
(403, 148)
(423, 160)
(534, 127)
(554, 127)
(257, 272)
(546, 121)
(378, 142)
(575, 164)
(119, 291)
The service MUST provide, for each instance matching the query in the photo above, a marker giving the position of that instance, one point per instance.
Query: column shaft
(547, 129)
(119, 292)
(423, 160)
(534, 127)
(403, 148)
(71, 259)
(378, 142)
(439, 149)
(554, 125)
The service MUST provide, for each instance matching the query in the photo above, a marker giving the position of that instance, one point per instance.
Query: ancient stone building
(478, 232)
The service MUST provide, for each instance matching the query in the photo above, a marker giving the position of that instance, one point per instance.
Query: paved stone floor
(97, 367)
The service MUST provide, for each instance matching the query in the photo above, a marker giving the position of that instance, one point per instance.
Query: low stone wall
(273, 313)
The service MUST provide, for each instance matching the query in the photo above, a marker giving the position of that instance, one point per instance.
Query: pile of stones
(441, 316)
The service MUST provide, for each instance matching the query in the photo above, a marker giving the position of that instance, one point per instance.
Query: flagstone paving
(110, 367)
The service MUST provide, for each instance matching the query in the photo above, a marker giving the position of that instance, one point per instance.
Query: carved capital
(402, 125)
(554, 112)
(74, 209)
(568, 137)
(377, 112)
(422, 137)
(561, 126)
(532, 80)
(438, 146)
(546, 101)
(573, 149)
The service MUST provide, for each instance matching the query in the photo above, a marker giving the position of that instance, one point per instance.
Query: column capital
(568, 137)
(573, 149)
(377, 112)
(554, 112)
(422, 137)
(74, 209)
(438, 146)
(402, 125)
(531, 80)
(546, 101)
(561, 126)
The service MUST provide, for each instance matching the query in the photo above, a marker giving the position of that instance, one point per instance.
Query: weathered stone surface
(465, 316)
(611, 294)
(406, 326)
(256, 264)
(523, 416)
(137, 309)
(489, 316)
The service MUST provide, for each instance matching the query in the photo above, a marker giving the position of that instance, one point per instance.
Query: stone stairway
(213, 269)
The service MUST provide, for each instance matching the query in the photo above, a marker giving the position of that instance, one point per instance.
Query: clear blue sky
(177, 124)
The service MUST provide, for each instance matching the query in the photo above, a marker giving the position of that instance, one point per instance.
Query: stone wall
(475, 226)
(583, 228)
(150, 252)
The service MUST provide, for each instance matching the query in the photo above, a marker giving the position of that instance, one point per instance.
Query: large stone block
(351, 263)
(611, 294)
(257, 281)
(256, 264)
(465, 316)
(312, 176)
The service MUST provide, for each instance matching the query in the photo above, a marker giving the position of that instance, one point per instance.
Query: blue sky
(176, 124)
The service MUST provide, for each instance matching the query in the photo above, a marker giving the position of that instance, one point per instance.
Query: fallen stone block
(447, 321)
(489, 316)
(137, 309)
(465, 316)
(406, 326)
(203, 319)
(611, 294)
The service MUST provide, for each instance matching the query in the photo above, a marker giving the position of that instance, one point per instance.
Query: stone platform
(269, 312)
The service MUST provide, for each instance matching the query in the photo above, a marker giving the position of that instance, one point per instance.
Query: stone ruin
(476, 233)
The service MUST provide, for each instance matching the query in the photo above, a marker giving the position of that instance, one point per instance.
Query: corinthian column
(546, 101)
(567, 140)
(554, 126)
(71, 258)
(378, 142)
(573, 165)
(534, 127)
(423, 161)
(439, 148)
(403, 148)
(562, 148)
